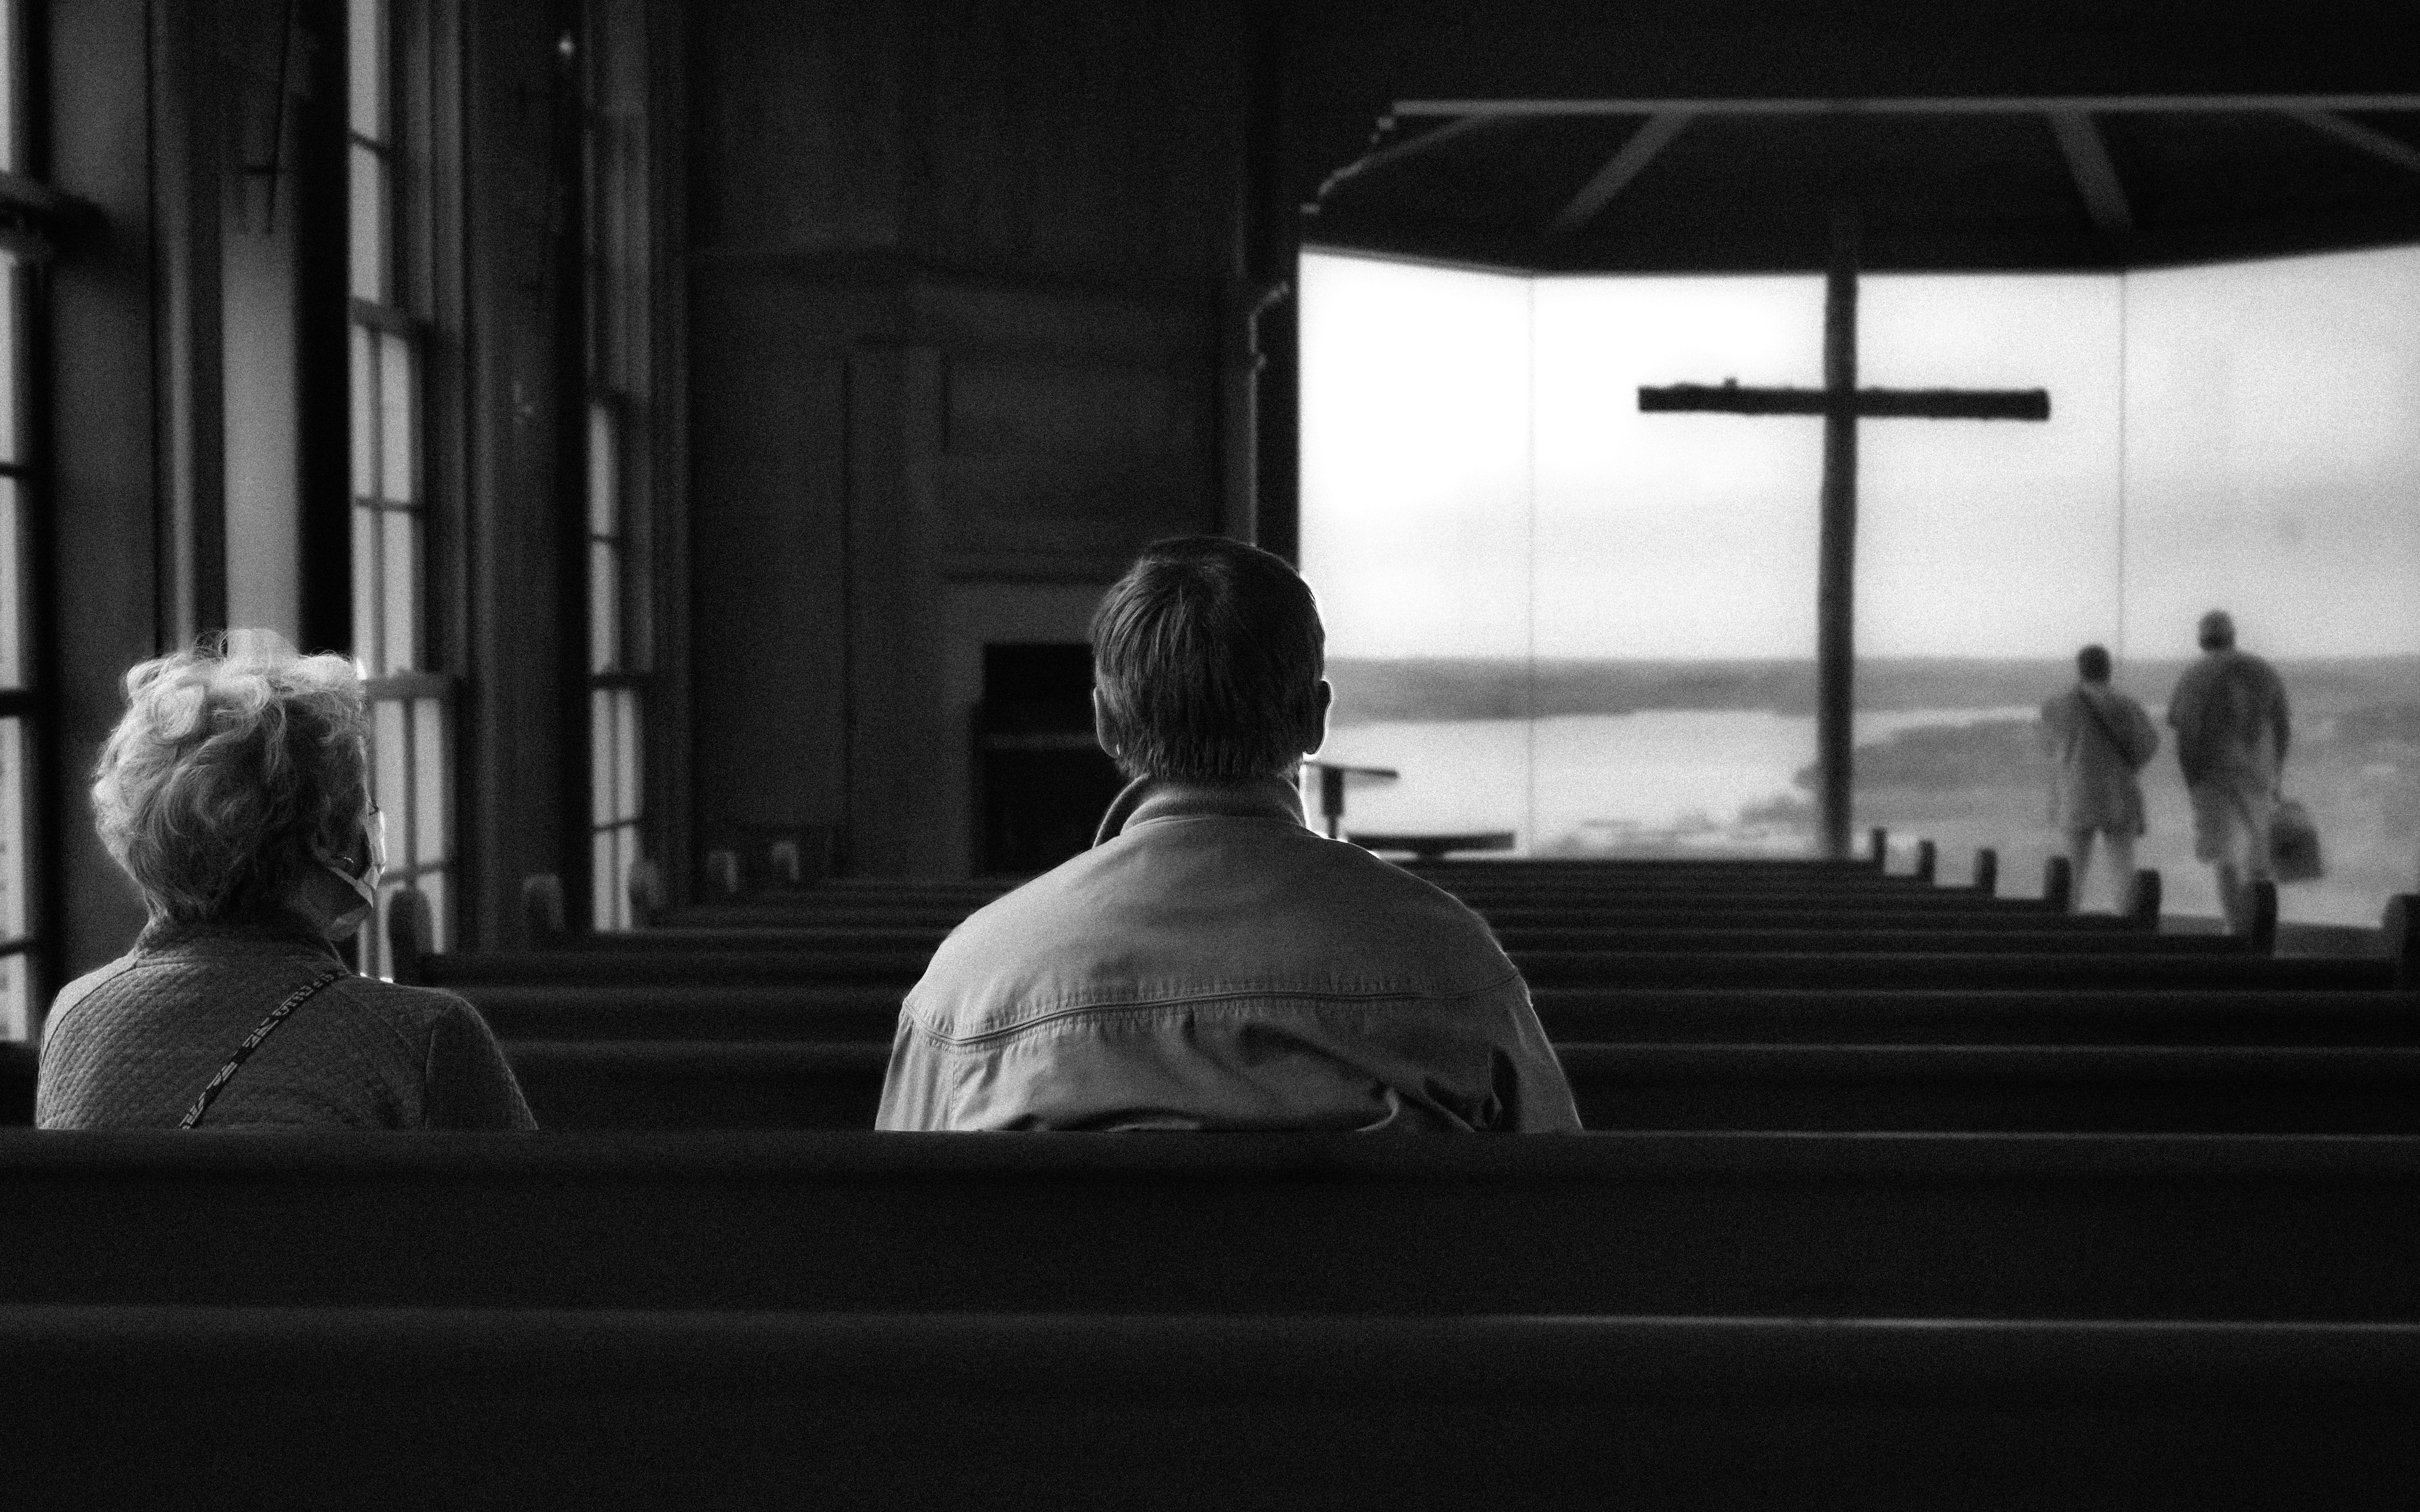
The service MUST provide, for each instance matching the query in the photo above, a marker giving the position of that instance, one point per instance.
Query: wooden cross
(1843, 404)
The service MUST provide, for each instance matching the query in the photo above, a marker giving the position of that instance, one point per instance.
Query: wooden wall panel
(769, 588)
(1011, 230)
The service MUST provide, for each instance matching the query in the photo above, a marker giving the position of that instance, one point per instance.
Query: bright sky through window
(1477, 480)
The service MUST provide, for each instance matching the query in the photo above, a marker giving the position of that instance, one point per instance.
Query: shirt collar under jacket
(1149, 798)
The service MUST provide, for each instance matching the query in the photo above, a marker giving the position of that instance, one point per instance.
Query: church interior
(709, 425)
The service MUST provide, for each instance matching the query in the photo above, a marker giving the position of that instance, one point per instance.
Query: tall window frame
(32, 216)
(391, 509)
(615, 276)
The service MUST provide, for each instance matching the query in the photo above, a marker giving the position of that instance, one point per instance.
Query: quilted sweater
(131, 1045)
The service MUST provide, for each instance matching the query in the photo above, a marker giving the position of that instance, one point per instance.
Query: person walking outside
(2099, 739)
(2233, 729)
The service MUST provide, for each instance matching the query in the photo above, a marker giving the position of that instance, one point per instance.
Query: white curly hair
(234, 762)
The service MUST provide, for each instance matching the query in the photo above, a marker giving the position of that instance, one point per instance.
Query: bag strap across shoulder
(252, 1042)
(2093, 709)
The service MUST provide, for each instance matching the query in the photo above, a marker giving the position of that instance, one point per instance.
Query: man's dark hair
(2216, 631)
(2092, 664)
(1207, 656)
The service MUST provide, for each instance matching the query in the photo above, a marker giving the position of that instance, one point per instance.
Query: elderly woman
(236, 794)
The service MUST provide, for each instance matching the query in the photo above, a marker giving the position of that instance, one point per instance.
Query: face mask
(366, 882)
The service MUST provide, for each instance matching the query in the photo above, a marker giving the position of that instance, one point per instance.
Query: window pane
(428, 780)
(11, 373)
(8, 85)
(365, 33)
(367, 189)
(394, 418)
(601, 755)
(389, 740)
(1415, 502)
(1986, 554)
(365, 591)
(604, 473)
(602, 880)
(12, 829)
(432, 887)
(399, 584)
(2270, 472)
(376, 960)
(625, 753)
(13, 588)
(364, 411)
(625, 856)
(16, 1011)
(604, 607)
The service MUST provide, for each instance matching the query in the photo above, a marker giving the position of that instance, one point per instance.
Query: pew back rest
(1709, 1225)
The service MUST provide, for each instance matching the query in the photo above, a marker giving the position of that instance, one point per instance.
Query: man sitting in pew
(236, 794)
(1211, 963)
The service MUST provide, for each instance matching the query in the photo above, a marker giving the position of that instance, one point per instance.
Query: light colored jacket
(1212, 964)
(2096, 765)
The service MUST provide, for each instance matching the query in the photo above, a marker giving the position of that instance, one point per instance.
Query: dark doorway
(1041, 782)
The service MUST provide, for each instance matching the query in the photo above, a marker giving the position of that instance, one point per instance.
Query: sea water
(1654, 778)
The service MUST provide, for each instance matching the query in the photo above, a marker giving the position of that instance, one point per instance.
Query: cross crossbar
(1921, 404)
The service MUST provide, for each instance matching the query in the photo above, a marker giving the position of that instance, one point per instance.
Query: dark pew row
(2372, 1090)
(742, 1320)
(838, 1014)
(2304, 1228)
(1993, 961)
(489, 1407)
(1673, 932)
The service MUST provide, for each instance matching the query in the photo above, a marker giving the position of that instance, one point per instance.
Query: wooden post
(2144, 908)
(2058, 883)
(1836, 571)
(1987, 871)
(542, 910)
(1928, 858)
(2403, 926)
(2262, 934)
(409, 928)
(1878, 842)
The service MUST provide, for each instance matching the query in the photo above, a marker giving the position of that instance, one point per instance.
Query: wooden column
(1835, 600)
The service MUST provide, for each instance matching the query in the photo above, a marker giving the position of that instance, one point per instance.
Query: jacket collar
(1147, 799)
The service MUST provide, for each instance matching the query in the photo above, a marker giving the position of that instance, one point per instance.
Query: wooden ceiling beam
(2371, 140)
(1619, 170)
(1924, 106)
(2095, 176)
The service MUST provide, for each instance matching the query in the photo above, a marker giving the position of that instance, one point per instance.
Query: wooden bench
(1080, 1321)
(1913, 1016)
(2276, 1228)
(499, 1407)
(684, 1084)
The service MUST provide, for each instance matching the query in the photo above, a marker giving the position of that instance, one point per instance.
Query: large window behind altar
(1594, 628)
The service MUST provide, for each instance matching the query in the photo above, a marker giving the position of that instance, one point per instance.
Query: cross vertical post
(1841, 404)
(1836, 570)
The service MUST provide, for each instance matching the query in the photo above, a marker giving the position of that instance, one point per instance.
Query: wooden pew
(2013, 1226)
(2117, 961)
(1683, 1320)
(684, 1084)
(689, 1408)
(841, 1014)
